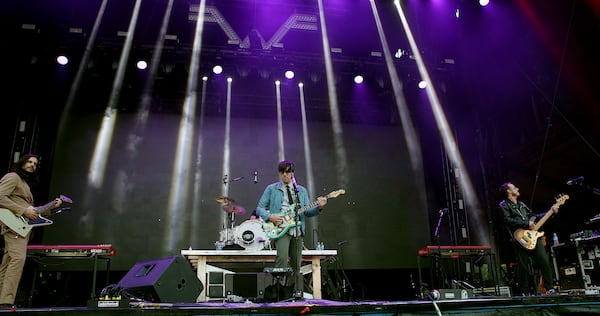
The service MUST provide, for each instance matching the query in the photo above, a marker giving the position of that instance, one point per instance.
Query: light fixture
(217, 69)
(289, 74)
(62, 59)
(358, 79)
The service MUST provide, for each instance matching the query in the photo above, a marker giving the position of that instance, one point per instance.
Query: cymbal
(224, 199)
(235, 209)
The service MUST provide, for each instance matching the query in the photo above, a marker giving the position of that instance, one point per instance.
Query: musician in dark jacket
(518, 215)
(16, 197)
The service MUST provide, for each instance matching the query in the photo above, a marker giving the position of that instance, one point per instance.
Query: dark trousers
(538, 257)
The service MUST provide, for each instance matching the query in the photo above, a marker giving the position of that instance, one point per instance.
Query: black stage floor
(533, 305)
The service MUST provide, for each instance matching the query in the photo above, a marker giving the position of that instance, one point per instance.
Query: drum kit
(248, 235)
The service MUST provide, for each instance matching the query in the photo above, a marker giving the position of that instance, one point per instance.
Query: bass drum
(251, 236)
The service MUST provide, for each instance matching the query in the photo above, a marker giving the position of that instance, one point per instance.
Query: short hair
(503, 189)
(286, 165)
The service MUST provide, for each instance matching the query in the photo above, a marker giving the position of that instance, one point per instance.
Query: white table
(199, 259)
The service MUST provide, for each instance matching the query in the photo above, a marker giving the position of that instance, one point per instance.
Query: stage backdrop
(380, 222)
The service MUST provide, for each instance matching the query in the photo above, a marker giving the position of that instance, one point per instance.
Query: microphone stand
(299, 284)
(436, 237)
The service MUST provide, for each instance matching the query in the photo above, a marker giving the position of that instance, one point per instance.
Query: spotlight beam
(181, 169)
(444, 129)
(336, 124)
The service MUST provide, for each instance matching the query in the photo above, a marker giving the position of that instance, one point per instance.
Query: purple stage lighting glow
(217, 69)
(358, 79)
(289, 74)
(62, 59)
(142, 65)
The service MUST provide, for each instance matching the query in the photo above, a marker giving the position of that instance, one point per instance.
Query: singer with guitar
(280, 198)
(519, 218)
(15, 195)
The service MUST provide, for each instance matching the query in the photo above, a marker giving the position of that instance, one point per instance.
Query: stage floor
(533, 305)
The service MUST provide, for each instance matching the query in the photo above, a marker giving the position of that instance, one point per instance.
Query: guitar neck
(45, 207)
(307, 207)
(543, 220)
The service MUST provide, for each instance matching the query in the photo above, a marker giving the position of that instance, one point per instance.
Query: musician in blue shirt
(277, 208)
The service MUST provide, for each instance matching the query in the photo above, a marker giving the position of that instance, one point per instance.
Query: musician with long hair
(15, 195)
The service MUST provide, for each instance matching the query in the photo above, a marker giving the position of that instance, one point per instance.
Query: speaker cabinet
(247, 285)
(163, 280)
(216, 285)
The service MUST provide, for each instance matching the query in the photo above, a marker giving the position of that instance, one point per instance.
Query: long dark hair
(31, 178)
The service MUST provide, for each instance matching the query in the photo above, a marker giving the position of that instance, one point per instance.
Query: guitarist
(278, 198)
(15, 195)
(518, 215)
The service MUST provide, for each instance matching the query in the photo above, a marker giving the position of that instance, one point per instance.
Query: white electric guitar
(275, 232)
(528, 238)
(23, 225)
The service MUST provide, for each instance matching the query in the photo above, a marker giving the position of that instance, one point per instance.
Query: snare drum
(250, 235)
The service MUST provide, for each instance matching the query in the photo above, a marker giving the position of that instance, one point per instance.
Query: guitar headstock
(336, 193)
(65, 199)
(561, 199)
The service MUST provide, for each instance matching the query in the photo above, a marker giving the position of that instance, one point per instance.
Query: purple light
(422, 84)
(62, 59)
(289, 74)
(358, 79)
(217, 69)
(483, 3)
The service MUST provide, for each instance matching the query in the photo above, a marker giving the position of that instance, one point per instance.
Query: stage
(537, 305)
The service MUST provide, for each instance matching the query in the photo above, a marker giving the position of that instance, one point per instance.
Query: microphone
(573, 181)
(255, 177)
(443, 211)
(294, 183)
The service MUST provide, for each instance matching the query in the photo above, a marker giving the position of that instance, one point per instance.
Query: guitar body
(22, 225)
(527, 238)
(19, 224)
(275, 232)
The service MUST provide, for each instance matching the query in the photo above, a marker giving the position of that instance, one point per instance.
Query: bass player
(517, 215)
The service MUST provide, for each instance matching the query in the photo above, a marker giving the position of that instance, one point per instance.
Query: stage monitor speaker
(163, 280)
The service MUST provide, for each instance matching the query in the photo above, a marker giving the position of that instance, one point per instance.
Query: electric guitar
(528, 238)
(23, 225)
(275, 232)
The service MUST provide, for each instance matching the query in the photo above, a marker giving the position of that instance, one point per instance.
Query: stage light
(229, 79)
(62, 59)
(217, 69)
(422, 84)
(142, 65)
(358, 79)
(483, 3)
(205, 78)
(289, 74)
(300, 84)
(277, 82)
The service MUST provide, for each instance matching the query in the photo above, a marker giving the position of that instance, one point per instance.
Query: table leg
(316, 277)
(201, 273)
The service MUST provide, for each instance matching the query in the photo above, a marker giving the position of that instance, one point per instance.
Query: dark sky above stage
(517, 81)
